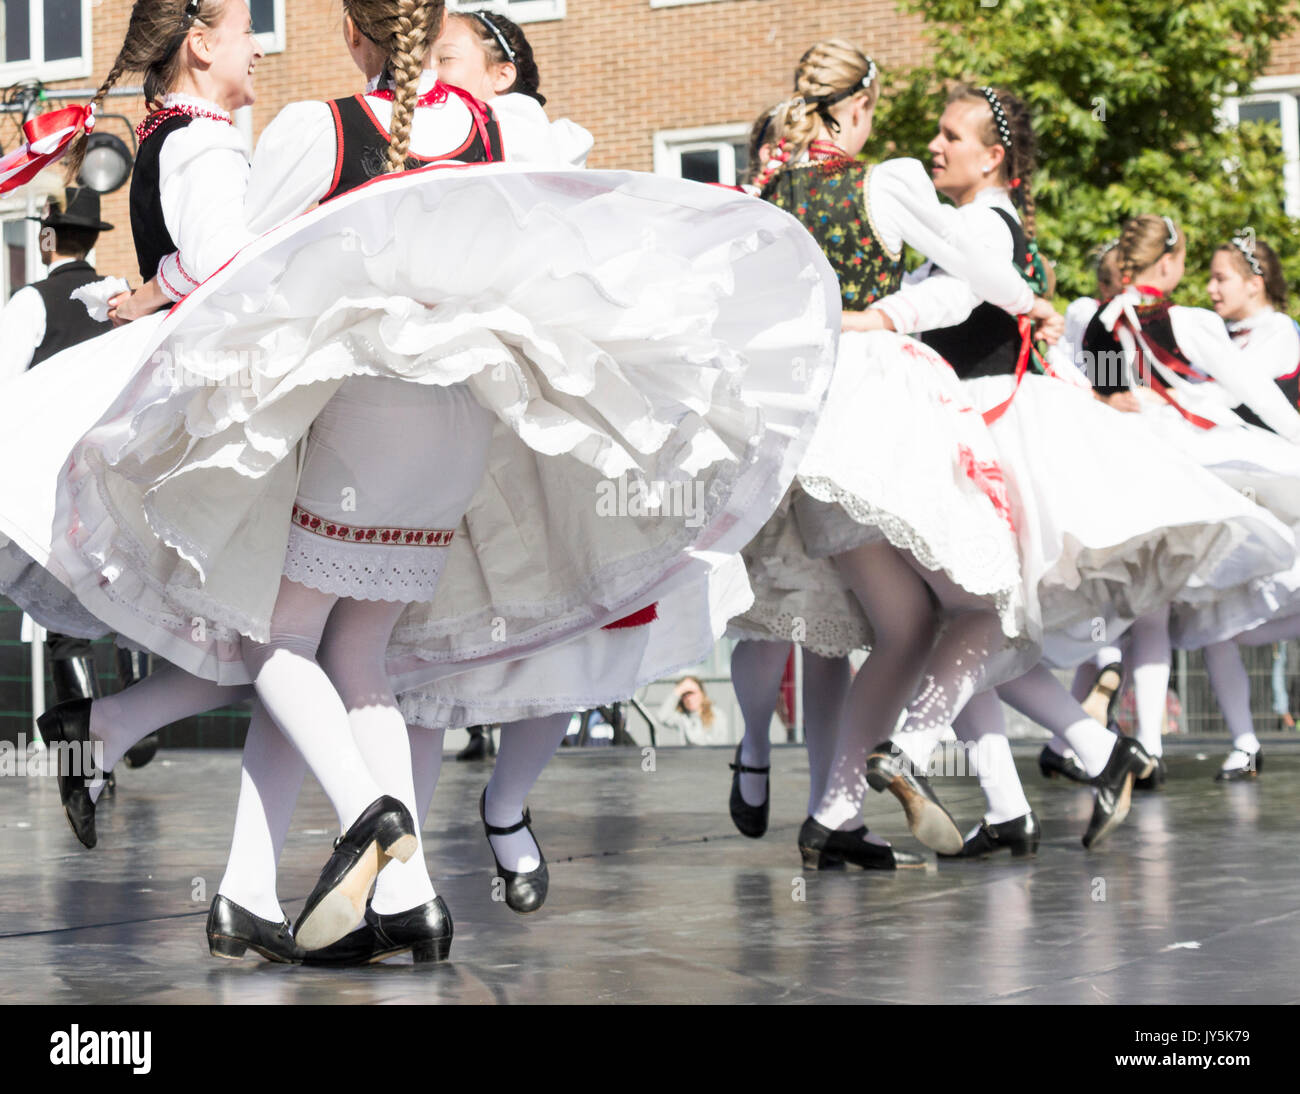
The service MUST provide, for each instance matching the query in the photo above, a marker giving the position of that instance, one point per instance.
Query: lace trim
(1007, 600)
(826, 636)
(363, 571)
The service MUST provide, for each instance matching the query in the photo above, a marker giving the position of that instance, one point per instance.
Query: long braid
(77, 153)
(411, 44)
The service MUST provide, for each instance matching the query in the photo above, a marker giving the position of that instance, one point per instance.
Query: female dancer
(905, 519)
(1083, 557)
(1194, 387)
(547, 401)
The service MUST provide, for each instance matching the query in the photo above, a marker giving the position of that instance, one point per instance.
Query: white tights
(1150, 654)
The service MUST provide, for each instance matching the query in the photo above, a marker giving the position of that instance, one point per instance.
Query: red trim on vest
(338, 146)
(415, 155)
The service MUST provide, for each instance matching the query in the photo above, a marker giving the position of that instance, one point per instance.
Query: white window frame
(273, 41)
(669, 144)
(68, 68)
(678, 3)
(522, 11)
(1282, 90)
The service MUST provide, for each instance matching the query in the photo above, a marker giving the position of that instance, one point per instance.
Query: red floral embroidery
(424, 537)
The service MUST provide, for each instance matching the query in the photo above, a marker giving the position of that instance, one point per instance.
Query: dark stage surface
(655, 897)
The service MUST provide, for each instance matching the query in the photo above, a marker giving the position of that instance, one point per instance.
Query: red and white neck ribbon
(47, 139)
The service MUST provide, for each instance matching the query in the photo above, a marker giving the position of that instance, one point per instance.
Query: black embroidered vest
(362, 143)
(153, 242)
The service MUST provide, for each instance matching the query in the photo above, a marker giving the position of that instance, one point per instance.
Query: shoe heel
(396, 841)
(879, 781)
(1024, 848)
(231, 948)
(427, 952)
(819, 860)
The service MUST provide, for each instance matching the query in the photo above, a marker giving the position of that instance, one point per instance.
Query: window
(1275, 99)
(268, 24)
(521, 11)
(678, 3)
(13, 276)
(45, 39)
(714, 154)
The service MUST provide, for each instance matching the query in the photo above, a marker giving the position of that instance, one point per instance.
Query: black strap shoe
(888, 768)
(824, 848)
(384, 831)
(1019, 836)
(1102, 702)
(1154, 781)
(1052, 764)
(1128, 761)
(480, 746)
(1254, 764)
(66, 728)
(233, 930)
(525, 892)
(750, 820)
(426, 931)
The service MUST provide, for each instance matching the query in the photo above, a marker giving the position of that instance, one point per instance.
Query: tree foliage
(1127, 101)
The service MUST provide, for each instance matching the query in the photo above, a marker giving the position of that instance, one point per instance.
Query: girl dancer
(1083, 556)
(734, 441)
(905, 519)
(1192, 385)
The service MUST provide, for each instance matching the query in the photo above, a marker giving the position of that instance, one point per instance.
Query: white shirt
(1271, 341)
(22, 328)
(1078, 314)
(528, 135)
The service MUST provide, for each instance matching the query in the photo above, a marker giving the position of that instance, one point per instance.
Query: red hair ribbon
(1015, 184)
(47, 138)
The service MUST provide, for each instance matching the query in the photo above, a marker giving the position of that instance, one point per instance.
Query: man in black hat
(40, 321)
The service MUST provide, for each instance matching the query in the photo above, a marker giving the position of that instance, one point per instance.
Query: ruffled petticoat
(653, 353)
(1264, 468)
(1113, 522)
(900, 455)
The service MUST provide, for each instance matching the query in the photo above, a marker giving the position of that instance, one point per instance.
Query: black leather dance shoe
(750, 820)
(1128, 761)
(233, 930)
(384, 831)
(1052, 764)
(480, 746)
(1102, 701)
(426, 931)
(68, 724)
(888, 768)
(824, 848)
(140, 754)
(525, 892)
(1254, 765)
(1154, 781)
(1019, 836)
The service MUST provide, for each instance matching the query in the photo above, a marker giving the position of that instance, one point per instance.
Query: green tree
(1125, 97)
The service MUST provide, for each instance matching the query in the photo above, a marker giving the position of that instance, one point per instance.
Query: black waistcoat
(153, 242)
(67, 323)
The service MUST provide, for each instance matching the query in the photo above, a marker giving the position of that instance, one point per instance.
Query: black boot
(480, 745)
(525, 892)
(232, 930)
(1052, 764)
(824, 848)
(426, 931)
(384, 831)
(1019, 836)
(66, 728)
(1128, 761)
(888, 768)
(750, 820)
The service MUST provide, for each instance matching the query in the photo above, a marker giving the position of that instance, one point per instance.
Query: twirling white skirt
(653, 352)
(1114, 522)
(899, 455)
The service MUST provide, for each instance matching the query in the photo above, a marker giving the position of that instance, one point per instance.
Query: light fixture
(107, 165)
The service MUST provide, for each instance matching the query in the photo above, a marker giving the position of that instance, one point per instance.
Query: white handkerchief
(97, 294)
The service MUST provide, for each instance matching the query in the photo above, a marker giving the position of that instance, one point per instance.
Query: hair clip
(999, 116)
(192, 8)
(1172, 241)
(1246, 245)
(486, 20)
(870, 77)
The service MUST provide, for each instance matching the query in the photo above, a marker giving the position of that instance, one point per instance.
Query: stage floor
(656, 899)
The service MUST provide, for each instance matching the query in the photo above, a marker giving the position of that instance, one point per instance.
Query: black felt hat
(80, 210)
